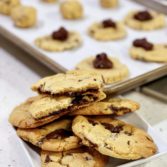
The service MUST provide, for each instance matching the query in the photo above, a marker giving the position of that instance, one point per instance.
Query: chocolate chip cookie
(114, 138)
(115, 107)
(82, 157)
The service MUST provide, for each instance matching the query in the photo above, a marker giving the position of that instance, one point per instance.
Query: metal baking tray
(49, 19)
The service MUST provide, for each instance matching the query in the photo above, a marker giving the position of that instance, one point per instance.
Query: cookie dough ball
(107, 30)
(146, 51)
(59, 40)
(7, 5)
(71, 9)
(110, 68)
(24, 16)
(109, 3)
(145, 20)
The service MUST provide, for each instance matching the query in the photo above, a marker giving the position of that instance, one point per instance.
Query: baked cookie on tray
(111, 69)
(71, 9)
(115, 107)
(145, 20)
(59, 40)
(144, 50)
(81, 157)
(109, 3)
(6, 6)
(24, 16)
(56, 136)
(114, 138)
(22, 118)
(107, 30)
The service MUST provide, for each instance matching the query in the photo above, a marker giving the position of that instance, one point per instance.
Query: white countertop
(18, 71)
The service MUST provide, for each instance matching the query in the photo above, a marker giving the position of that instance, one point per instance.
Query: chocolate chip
(47, 159)
(143, 16)
(92, 122)
(102, 62)
(113, 129)
(88, 158)
(61, 34)
(59, 134)
(143, 43)
(128, 142)
(128, 133)
(109, 23)
(117, 109)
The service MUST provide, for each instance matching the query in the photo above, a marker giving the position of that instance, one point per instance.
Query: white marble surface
(17, 72)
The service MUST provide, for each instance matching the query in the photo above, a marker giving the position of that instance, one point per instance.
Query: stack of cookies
(72, 126)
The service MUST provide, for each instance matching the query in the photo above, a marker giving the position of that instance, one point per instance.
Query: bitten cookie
(82, 157)
(24, 16)
(146, 51)
(107, 30)
(109, 3)
(111, 69)
(56, 136)
(114, 138)
(59, 40)
(6, 6)
(71, 9)
(115, 106)
(145, 20)
(21, 117)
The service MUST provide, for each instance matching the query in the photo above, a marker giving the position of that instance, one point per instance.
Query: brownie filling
(59, 134)
(143, 43)
(109, 23)
(61, 34)
(113, 129)
(143, 16)
(102, 62)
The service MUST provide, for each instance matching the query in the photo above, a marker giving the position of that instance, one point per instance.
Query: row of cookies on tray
(73, 123)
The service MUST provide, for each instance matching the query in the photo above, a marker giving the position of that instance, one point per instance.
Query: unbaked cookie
(109, 3)
(21, 117)
(115, 107)
(24, 16)
(71, 9)
(107, 30)
(147, 51)
(109, 67)
(56, 136)
(145, 20)
(6, 6)
(59, 40)
(114, 138)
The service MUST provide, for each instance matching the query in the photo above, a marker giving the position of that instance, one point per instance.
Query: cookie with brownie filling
(110, 68)
(115, 107)
(144, 50)
(145, 20)
(107, 30)
(81, 157)
(114, 138)
(56, 136)
(59, 40)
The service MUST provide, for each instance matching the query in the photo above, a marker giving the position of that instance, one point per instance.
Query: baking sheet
(49, 19)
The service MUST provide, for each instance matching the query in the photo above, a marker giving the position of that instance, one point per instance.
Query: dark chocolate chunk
(128, 133)
(61, 34)
(59, 134)
(128, 142)
(102, 62)
(109, 23)
(143, 16)
(117, 109)
(113, 129)
(47, 159)
(143, 43)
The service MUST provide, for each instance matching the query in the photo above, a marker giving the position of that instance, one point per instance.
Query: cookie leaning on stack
(75, 141)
